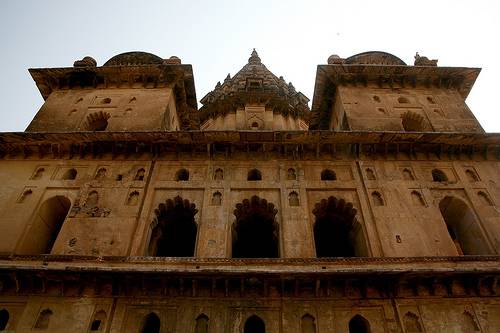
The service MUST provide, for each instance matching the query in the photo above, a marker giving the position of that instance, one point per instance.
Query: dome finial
(254, 58)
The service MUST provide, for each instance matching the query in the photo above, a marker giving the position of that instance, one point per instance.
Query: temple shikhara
(127, 207)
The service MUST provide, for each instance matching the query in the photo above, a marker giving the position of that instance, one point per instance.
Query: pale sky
(217, 37)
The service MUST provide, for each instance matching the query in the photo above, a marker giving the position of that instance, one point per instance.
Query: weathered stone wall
(381, 109)
(129, 109)
(397, 216)
(280, 315)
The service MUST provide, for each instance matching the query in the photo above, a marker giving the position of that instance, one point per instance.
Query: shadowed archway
(174, 232)
(336, 231)
(254, 325)
(255, 232)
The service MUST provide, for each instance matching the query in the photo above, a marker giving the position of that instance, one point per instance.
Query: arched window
(175, 232)
(254, 325)
(412, 122)
(92, 199)
(255, 224)
(293, 199)
(201, 324)
(417, 198)
(308, 324)
(254, 175)
(100, 174)
(219, 174)
(139, 175)
(328, 174)
(98, 322)
(439, 176)
(182, 175)
(4, 319)
(97, 121)
(471, 176)
(291, 174)
(407, 174)
(43, 320)
(485, 198)
(358, 324)
(336, 231)
(133, 198)
(70, 174)
(151, 324)
(216, 199)
(38, 174)
(412, 323)
(46, 226)
(370, 175)
(462, 226)
(377, 199)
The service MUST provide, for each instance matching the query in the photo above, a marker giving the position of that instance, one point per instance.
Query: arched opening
(100, 174)
(70, 174)
(97, 121)
(412, 323)
(4, 319)
(255, 232)
(328, 174)
(358, 324)
(174, 234)
(462, 226)
(336, 231)
(370, 175)
(377, 199)
(139, 175)
(254, 175)
(412, 122)
(133, 198)
(92, 199)
(308, 324)
(407, 174)
(182, 175)
(293, 199)
(485, 198)
(219, 174)
(201, 324)
(291, 174)
(151, 324)
(417, 198)
(471, 176)
(43, 320)
(46, 226)
(439, 176)
(217, 199)
(98, 321)
(254, 325)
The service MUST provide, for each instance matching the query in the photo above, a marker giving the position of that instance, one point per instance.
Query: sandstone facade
(124, 208)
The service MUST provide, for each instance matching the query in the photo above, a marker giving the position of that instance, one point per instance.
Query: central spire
(254, 58)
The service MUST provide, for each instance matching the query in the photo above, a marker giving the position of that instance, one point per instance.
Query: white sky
(216, 37)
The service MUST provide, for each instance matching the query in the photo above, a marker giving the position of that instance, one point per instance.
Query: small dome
(374, 58)
(334, 59)
(173, 60)
(134, 58)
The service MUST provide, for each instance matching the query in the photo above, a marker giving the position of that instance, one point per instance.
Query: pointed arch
(216, 198)
(485, 198)
(182, 175)
(201, 324)
(412, 323)
(45, 227)
(328, 174)
(463, 226)
(100, 174)
(98, 322)
(417, 198)
(291, 174)
(412, 122)
(471, 176)
(308, 324)
(92, 199)
(439, 175)
(4, 319)
(254, 324)
(38, 173)
(407, 174)
(377, 199)
(219, 174)
(70, 174)
(293, 199)
(139, 175)
(358, 324)
(174, 229)
(255, 224)
(370, 174)
(254, 175)
(43, 320)
(336, 230)
(151, 323)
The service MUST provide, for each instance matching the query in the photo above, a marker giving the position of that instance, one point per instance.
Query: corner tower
(254, 99)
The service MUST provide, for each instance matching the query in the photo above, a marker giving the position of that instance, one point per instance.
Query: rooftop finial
(254, 58)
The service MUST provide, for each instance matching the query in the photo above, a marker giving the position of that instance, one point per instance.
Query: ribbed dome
(134, 58)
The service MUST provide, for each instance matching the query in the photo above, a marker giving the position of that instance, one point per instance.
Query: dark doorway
(175, 232)
(255, 232)
(358, 324)
(254, 325)
(151, 324)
